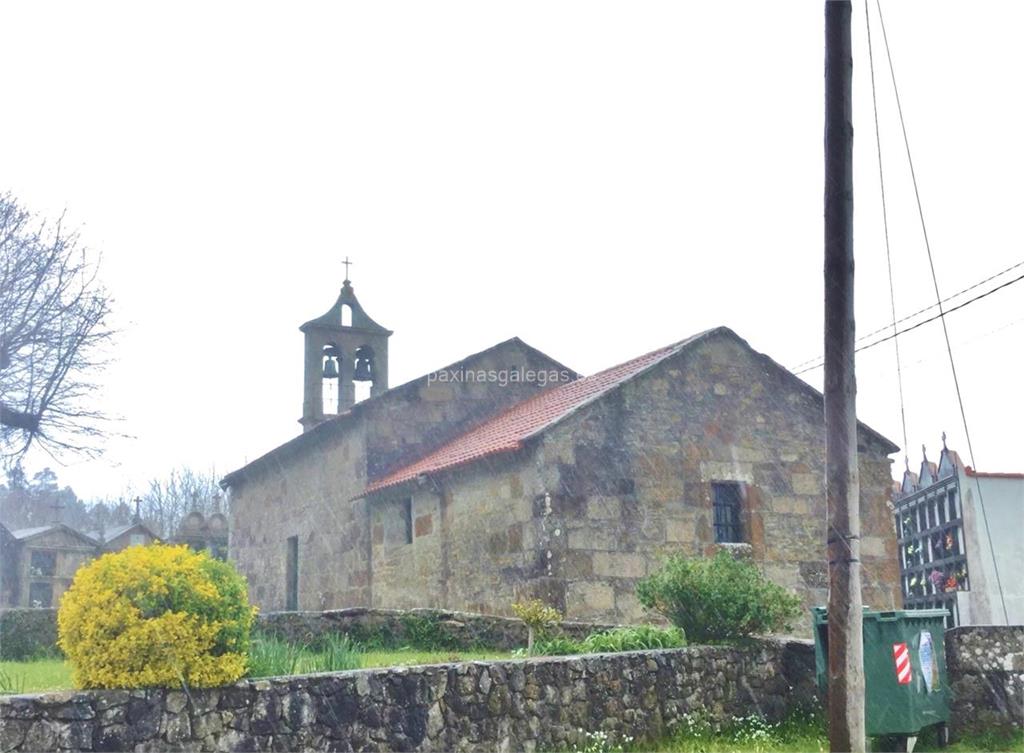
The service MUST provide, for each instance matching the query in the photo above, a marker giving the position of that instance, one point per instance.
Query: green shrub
(426, 633)
(28, 633)
(717, 599)
(373, 638)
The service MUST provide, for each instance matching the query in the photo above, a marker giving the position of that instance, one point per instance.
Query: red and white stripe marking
(902, 657)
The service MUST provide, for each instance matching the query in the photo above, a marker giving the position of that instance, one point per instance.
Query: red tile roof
(509, 430)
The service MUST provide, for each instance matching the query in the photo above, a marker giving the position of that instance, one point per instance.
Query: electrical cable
(908, 317)
(885, 227)
(922, 323)
(942, 315)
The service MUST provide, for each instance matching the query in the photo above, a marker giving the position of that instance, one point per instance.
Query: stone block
(604, 508)
(791, 505)
(594, 538)
(810, 484)
(619, 564)
(872, 546)
(715, 470)
(680, 530)
(587, 598)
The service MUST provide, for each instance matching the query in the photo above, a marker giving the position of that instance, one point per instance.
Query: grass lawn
(34, 676)
(55, 674)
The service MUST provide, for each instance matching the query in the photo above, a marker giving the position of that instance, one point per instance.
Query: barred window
(727, 497)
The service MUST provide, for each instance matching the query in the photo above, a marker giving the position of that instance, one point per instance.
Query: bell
(362, 372)
(330, 369)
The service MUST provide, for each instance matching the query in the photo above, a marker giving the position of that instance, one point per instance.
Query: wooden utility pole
(842, 485)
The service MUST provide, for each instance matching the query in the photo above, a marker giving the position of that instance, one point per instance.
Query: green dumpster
(905, 684)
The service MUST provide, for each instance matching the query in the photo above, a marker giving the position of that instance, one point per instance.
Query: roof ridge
(591, 389)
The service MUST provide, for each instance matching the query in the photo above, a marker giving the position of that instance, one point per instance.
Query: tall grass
(11, 682)
(269, 656)
(636, 638)
(337, 652)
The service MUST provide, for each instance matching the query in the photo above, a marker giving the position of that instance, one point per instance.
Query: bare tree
(53, 313)
(168, 500)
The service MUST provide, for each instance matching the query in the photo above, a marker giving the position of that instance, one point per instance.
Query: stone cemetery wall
(986, 675)
(29, 632)
(528, 705)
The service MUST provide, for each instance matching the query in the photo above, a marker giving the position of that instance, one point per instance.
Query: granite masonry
(470, 495)
(457, 630)
(541, 704)
(652, 467)
(986, 676)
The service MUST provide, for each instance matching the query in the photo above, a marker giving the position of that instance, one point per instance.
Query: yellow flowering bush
(156, 616)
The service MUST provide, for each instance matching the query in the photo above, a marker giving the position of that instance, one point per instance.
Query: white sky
(598, 178)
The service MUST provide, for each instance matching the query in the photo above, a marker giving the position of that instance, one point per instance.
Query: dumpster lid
(821, 614)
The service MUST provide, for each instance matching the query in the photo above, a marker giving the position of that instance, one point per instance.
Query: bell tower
(344, 346)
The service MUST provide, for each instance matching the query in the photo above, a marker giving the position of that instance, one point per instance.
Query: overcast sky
(600, 179)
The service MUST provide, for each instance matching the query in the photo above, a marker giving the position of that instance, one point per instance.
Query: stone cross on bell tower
(343, 346)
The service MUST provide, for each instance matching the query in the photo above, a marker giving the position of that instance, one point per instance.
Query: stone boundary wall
(986, 676)
(526, 704)
(28, 632)
(452, 629)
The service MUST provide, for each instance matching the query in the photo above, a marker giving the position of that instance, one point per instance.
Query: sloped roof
(333, 423)
(509, 430)
(112, 533)
(24, 534)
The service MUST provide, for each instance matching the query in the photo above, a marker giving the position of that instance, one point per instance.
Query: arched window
(346, 315)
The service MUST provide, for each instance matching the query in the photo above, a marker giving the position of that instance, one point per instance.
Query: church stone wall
(631, 477)
(306, 495)
(308, 491)
(604, 497)
(476, 544)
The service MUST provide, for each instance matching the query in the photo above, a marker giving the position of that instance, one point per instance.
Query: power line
(908, 317)
(944, 300)
(921, 323)
(942, 316)
(885, 225)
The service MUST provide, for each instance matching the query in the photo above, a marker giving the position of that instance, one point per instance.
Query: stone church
(508, 475)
